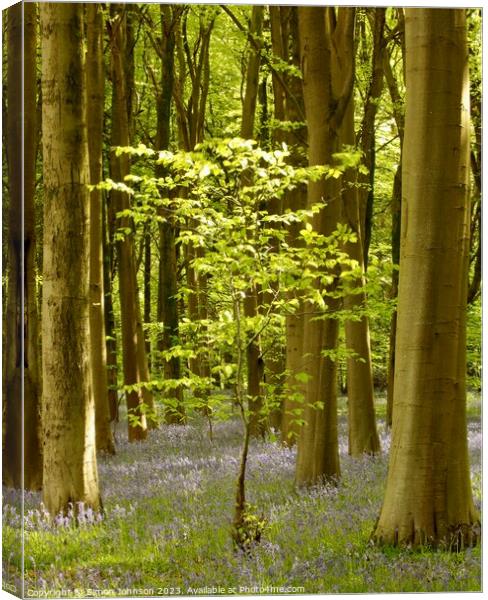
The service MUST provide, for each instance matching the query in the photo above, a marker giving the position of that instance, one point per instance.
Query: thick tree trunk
(133, 346)
(318, 454)
(95, 94)
(428, 498)
(69, 461)
(26, 473)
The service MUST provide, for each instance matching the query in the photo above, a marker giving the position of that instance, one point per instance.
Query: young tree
(95, 96)
(21, 259)
(428, 498)
(69, 459)
(255, 364)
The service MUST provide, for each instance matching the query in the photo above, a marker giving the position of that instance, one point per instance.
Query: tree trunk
(147, 288)
(12, 366)
(95, 94)
(133, 346)
(363, 435)
(111, 346)
(289, 108)
(69, 461)
(396, 208)
(26, 473)
(168, 312)
(318, 453)
(428, 498)
(255, 364)
(367, 144)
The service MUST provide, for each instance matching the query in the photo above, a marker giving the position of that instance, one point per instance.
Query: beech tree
(95, 95)
(290, 127)
(139, 399)
(363, 436)
(69, 457)
(428, 498)
(18, 366)
(396, 203)
(319, 28)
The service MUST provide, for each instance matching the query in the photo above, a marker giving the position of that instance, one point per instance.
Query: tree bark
(428, 498)
(168, 312)
(133, 345)
(396, 207)
(396, 212)
(26, 473)
(255, 364)
(318, 454)
(288, 94)
(363, 435)
(69, 461)
(147, 288)
(367, 144)
(95, 94)
(111, 345)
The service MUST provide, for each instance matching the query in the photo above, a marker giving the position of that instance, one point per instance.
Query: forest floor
(168, 510)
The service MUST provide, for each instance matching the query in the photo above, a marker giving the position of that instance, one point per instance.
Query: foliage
(218, 198)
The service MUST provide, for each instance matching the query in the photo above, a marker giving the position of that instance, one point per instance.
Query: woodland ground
(168, 506)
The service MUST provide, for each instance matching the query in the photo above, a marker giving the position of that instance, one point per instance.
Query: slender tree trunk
(363, 435)
(428, 498)
(12, 366)
(276, 356)
(368, 137)
(396, 208)
(32, 382)
(95, 95)
(255, 364)
(168, 312)
(133, 346)
(474, 283)
(111, 346)
(69, 461)
(147, 288)
(21, 261)
(289, 108)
